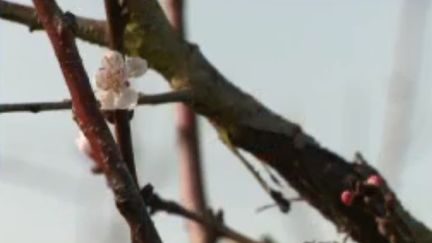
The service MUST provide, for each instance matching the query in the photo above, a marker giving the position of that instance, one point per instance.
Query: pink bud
(347, 197)
(374, 180)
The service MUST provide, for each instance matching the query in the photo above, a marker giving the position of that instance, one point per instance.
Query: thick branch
(35, 107)
(92, 123)
(317, 174)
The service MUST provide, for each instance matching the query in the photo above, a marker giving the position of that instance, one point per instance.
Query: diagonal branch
(92, 123)
(318, 174)
(156, 203)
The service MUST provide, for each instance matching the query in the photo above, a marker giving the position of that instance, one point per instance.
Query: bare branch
(144, 99)
(318, 174)
(91, 30)
(35, 107)
(188, 147)
(91, 122)
(117, 18)
(156, 203)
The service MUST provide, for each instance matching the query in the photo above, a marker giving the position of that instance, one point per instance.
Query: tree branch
(144, 99)
(91, 30)
(188, 148)
(117, 18)
(156, 204)
(91, 122)
(318, 174)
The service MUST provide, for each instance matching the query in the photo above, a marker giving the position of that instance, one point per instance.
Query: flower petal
(126, 99)
(112, 60)
(136, 67)
(106, 99)
(83, 144)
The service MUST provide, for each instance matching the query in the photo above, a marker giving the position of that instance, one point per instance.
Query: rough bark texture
(92, 123)
(317, 174)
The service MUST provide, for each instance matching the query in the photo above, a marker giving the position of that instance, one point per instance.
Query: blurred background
(354, 74)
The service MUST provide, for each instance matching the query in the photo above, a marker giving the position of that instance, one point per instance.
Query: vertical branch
(402, 88)
(92, 123)
(116, 18)
(191, 177)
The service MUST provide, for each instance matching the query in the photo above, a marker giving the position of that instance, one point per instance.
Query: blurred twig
(191, 174)
(402, 88)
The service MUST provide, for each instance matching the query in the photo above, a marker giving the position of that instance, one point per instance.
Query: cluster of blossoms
(113, 89)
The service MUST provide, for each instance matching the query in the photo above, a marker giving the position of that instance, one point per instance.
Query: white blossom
(112, 74)
(136, 66)
(124, 99)
(84, 145)
(112, 86)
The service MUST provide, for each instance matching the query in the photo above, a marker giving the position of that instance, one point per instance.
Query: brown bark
(91, 122)
(318, 174)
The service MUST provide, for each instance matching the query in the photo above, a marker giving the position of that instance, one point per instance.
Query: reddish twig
(191, 175)
(91, 122)
(318, 174)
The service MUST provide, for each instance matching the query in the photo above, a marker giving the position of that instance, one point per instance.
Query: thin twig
(156, 203)
(153, 99)
(92, 29)
(188, 147)
(92, 123)
(291, 152)
(116, 18)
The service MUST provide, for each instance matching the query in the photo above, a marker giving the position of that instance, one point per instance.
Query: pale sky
(323, 63)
